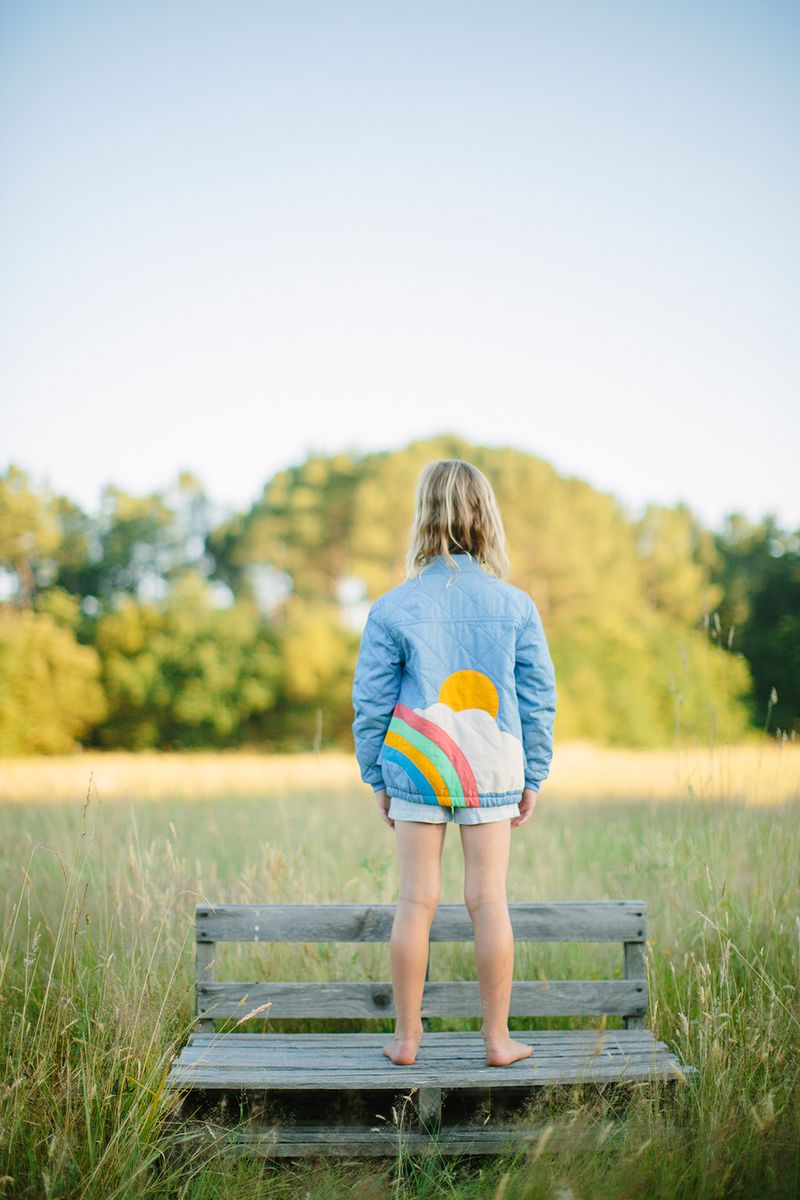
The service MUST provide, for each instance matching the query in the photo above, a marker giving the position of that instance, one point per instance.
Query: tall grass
(762, 771)
(96, 986)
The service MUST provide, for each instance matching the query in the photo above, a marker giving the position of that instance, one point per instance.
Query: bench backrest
(622, 921)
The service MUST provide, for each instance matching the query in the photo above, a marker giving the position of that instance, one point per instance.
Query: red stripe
(446, 743)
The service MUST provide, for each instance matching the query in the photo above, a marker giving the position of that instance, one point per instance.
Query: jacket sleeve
(536, 694)
(376, 689)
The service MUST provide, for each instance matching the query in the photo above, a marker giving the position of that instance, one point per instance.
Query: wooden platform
(322, 1072)
(354, 1061)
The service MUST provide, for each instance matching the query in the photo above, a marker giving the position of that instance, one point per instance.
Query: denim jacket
(454, 691)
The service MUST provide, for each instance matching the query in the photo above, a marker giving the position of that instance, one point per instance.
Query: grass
(96, 972)
(759, 772)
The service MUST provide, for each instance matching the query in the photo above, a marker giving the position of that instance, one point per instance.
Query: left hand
(383, 804)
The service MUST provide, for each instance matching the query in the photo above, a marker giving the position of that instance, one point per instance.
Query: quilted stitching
(427, 628)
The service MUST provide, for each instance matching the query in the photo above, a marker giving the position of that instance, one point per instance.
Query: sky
(233, 235)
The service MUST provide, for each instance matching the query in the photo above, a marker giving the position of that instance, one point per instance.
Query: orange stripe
(424, 764)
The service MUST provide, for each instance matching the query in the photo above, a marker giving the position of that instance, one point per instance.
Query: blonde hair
(456, 513)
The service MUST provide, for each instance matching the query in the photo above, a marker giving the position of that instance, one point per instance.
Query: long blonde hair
(456, 513)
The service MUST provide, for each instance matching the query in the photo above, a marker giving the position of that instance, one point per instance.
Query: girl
(454, 701)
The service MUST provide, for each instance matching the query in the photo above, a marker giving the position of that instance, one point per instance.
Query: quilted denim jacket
(454, 692)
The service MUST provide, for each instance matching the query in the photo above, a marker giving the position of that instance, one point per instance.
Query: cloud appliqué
(495, 757)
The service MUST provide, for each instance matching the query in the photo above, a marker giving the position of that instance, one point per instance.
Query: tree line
(154, 625)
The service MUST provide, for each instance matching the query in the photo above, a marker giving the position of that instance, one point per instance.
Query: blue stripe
(413, 772)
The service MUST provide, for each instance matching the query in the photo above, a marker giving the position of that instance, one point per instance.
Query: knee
(484, 897)
(424, 900)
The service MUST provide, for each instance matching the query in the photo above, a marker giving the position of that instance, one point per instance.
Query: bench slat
(454, 1060)
(595, 921)
(308, 1064)
(450, 1060)
(550, 1040)
(348, 1141)
(458, 998)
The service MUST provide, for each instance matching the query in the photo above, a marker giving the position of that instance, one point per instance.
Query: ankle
(411, 1032)
(495, 1036)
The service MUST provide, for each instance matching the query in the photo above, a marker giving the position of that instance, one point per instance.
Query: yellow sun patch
(469, 689)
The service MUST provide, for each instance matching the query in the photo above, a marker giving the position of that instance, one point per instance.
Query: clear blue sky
(236, 233)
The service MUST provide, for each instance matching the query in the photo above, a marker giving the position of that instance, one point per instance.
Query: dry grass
(755, 773)
(96, 973)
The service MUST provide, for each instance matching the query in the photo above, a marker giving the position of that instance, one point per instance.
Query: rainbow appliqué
(431, 758)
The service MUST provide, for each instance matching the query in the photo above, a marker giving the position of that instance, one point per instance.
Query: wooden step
(340, 1061)
(384, 1140)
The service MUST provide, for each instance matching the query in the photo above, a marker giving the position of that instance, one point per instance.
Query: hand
(383, 804)
(526, 806)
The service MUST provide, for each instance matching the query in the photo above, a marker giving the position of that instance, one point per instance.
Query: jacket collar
(463, 562)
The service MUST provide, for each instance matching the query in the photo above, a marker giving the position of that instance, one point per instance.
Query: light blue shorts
(439, 814)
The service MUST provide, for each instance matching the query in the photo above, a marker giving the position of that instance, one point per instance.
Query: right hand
(526, 806)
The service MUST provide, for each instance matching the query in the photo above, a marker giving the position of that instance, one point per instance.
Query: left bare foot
(403, 1050)
(501, 1052)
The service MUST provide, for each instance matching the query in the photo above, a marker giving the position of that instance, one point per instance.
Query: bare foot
(403, 1050)
(500, 1052)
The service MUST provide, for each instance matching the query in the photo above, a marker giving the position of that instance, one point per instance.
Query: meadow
(103, 858)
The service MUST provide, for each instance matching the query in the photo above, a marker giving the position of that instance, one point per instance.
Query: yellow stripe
(425, 765)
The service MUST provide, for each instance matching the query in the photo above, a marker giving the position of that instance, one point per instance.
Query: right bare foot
(501, 1052)
(403, 1050)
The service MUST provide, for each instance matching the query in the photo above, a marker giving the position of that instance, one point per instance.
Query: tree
(318, 657)
(184, 673)
(678, 557)
(50, 695)
(28, 534)
(618, 599)
(759, 570)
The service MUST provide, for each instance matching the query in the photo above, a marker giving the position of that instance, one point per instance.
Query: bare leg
(419, 853)
(486, 850)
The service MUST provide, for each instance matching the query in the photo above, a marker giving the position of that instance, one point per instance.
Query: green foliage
(759, 571)
(317, 660)
(28, 531)
(138, 545)
(301, 526)
(49, 690)
(622, 603)
(184, 673)
(639, 615)
(678, 556)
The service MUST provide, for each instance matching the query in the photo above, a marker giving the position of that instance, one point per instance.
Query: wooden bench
(331, 1065)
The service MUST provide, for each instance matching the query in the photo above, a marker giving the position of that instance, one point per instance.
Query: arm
(376, 689)
(536, 693)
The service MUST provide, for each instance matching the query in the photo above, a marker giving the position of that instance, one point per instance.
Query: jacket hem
(485, 799)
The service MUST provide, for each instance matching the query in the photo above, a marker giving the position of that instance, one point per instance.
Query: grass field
(95, 979)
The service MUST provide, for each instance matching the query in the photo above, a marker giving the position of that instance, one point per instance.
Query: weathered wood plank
(347, 1045)
(600, 921)
(204, 973)
(311, 1064)
(382, 1140)
(453, 1061)
(345, 1041)
(399, 1079)
(457, 998)
(458, 1075)
(457, 1056)
(429, 1104)
(635, 967)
